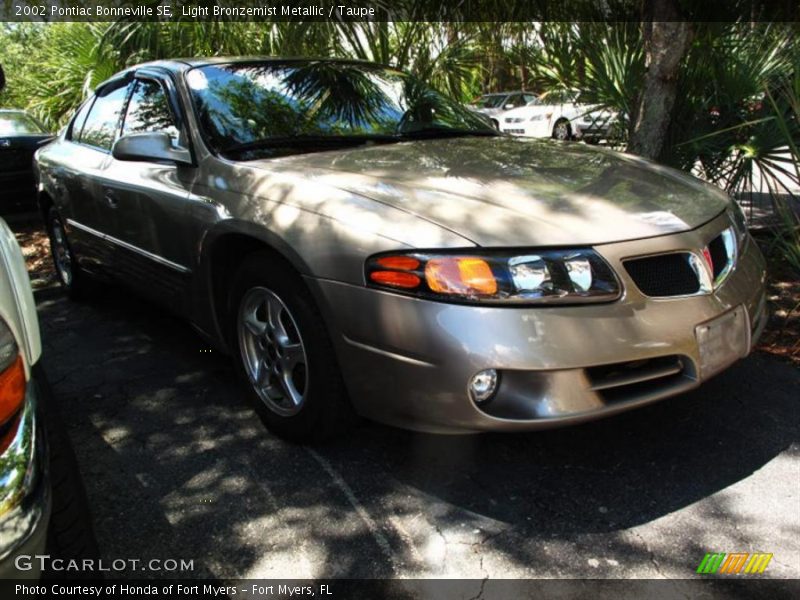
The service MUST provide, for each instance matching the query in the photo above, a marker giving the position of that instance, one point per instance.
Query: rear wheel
(562, 130)
(72, 279)
(283, 353)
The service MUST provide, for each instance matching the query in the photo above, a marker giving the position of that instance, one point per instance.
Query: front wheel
(562, 131)
(284, 355)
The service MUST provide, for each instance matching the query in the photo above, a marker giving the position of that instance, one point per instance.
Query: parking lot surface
(177, 465)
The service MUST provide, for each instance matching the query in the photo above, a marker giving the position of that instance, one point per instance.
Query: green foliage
(785, 104)
(51, 69)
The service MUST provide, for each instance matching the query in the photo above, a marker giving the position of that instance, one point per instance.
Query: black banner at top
(393, 10)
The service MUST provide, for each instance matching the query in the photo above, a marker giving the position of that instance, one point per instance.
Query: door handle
(111, 199)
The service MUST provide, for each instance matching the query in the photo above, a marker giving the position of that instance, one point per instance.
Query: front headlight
(739, 222)
(571, 276)
(537, 117)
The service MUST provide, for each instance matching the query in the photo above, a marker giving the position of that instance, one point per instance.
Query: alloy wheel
(61, 253)
(561, 131)
(272, 350)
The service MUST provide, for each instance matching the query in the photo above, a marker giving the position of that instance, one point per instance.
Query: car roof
(178, 65)
(183, 64)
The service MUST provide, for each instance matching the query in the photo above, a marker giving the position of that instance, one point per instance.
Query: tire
(283, 353)
(70, 535)
(562, 131)
(72, 278)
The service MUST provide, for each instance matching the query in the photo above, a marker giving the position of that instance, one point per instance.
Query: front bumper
(408, 362)
(25, 499)
(537, 129)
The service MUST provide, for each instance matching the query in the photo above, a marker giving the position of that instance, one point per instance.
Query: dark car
(20, 136)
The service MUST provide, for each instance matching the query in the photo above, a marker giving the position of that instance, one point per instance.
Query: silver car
(360, 244)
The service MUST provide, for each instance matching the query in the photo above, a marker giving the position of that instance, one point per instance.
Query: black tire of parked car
(326, 411)
(70, 535)
(77, 287)
(557, 130)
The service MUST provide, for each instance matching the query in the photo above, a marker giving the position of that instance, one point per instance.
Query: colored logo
(734, 563)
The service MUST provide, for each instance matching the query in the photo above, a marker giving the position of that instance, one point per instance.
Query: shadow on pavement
(177, 465)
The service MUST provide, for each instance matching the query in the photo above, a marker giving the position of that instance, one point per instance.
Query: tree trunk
(666, 41)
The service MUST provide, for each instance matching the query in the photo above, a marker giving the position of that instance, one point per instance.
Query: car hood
(506, 191)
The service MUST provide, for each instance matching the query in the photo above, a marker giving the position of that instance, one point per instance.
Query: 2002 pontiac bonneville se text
(361, 244)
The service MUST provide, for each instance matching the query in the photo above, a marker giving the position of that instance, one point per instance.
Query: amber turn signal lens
(396, 279)
(466, 276)
(401, 263)
(12, 389)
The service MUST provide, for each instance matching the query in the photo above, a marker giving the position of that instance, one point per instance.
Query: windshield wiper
(306, 140)
(445, 132)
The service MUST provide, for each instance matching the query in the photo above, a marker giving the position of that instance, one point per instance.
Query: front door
(151, 200)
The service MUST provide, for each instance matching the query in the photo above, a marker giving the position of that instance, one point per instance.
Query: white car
(562, 118)
(496, 104)
(25, 496)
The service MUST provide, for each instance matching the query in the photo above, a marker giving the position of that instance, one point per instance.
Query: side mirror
(150, 147)
(509, 106)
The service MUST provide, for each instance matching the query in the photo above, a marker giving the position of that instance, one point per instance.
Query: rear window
(80, 119)
(19, 124)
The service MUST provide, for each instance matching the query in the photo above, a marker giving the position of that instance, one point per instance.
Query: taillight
(12, 390)
(12, 385)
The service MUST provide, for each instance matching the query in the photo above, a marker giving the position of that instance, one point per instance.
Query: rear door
(90, 215)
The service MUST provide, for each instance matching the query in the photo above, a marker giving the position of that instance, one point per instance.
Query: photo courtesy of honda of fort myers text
(399, 299)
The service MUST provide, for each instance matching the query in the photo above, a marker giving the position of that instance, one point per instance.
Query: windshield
(245, 106)
(19, 124)
(492, 101)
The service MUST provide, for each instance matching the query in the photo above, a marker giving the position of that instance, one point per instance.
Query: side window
(149, 111)
(102, 124)
(80, 119)
(515, 99)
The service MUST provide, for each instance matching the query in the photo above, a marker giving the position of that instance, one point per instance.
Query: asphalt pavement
(176, 465)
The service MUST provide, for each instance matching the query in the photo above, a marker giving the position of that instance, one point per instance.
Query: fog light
(483, 385)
